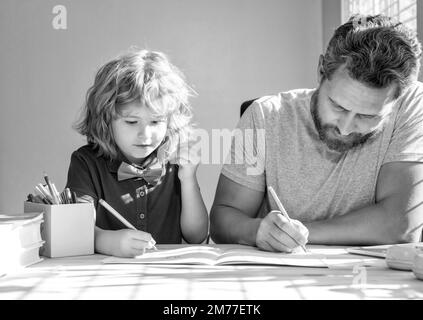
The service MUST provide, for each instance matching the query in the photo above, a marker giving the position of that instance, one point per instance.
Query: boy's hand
(188, 158)
(130, 243)
(276, 233)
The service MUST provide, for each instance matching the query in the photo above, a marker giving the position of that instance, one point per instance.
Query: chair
(245, 105)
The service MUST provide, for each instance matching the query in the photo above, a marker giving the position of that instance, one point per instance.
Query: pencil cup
(68, 229)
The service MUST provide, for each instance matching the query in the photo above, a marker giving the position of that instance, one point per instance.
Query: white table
(86, 277)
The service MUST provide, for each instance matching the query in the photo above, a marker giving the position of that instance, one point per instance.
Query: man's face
(347, 113)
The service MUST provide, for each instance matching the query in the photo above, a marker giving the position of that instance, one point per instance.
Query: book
(20, 258)
(20, 219)
(238, 255)
(20, 240)
(30, 256)
(22, 231)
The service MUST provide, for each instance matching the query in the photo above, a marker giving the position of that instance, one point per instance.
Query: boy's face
(137, 131)
(347, 113)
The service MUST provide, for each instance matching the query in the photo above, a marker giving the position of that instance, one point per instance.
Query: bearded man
(345, 159)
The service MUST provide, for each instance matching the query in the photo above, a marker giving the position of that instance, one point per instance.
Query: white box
(68, 229)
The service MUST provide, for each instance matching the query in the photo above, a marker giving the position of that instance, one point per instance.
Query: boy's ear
(320, 72)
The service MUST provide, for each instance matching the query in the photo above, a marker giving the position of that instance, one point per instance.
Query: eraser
(401, 257)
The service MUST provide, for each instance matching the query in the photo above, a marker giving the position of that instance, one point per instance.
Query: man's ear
(320, 72)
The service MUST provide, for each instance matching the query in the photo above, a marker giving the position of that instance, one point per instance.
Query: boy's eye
(131, 122)
(157, 121)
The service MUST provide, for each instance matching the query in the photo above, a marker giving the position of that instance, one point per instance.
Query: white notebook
(238, 255)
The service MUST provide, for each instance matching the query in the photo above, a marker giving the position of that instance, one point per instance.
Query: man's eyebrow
(361, 114)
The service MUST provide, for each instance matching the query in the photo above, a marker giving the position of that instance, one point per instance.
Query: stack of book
(20, 241)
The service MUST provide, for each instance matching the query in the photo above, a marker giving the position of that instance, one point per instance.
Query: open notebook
(240, 255)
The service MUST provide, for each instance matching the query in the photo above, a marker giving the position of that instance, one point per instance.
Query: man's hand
(276, 233)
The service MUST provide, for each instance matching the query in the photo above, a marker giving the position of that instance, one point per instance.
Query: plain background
(229, 51)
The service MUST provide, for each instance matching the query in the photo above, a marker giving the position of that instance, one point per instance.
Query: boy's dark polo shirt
(156, 212)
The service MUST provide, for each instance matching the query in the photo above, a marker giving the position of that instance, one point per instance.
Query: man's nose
(346, 124)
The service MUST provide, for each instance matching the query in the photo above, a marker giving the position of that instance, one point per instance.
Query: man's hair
(376, 50)
(140, 76)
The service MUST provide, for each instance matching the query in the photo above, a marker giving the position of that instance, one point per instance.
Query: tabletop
(87, 277)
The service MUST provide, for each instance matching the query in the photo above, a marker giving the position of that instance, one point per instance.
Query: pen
(50, 188)
(73, 196)
(63, 197)
(118, 216)
(283, 211)
(43, 193)
(39, 195)
(56, 193)
(68, 195)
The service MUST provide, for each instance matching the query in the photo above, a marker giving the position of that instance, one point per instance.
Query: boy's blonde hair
(142, 76)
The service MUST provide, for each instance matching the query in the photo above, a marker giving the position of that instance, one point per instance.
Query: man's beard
(328, 131)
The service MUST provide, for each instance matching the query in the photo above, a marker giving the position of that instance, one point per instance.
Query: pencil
(283, 211)
(68, 195)
(119, 216)
(43, 193)
(50, 188)
(57, 194)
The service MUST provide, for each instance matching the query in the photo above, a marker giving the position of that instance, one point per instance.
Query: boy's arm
(194, 216)
(121, 243)
(396, 217)
(103, 240)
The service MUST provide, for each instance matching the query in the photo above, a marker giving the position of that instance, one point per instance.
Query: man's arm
(232, 217)
(233, 220)
(396, 217)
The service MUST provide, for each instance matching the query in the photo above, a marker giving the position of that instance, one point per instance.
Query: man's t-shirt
(312, 181)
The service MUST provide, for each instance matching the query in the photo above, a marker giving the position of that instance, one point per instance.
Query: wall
(331, 18)
(230, 51)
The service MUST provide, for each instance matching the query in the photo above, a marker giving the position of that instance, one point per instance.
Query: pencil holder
(68, 229)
